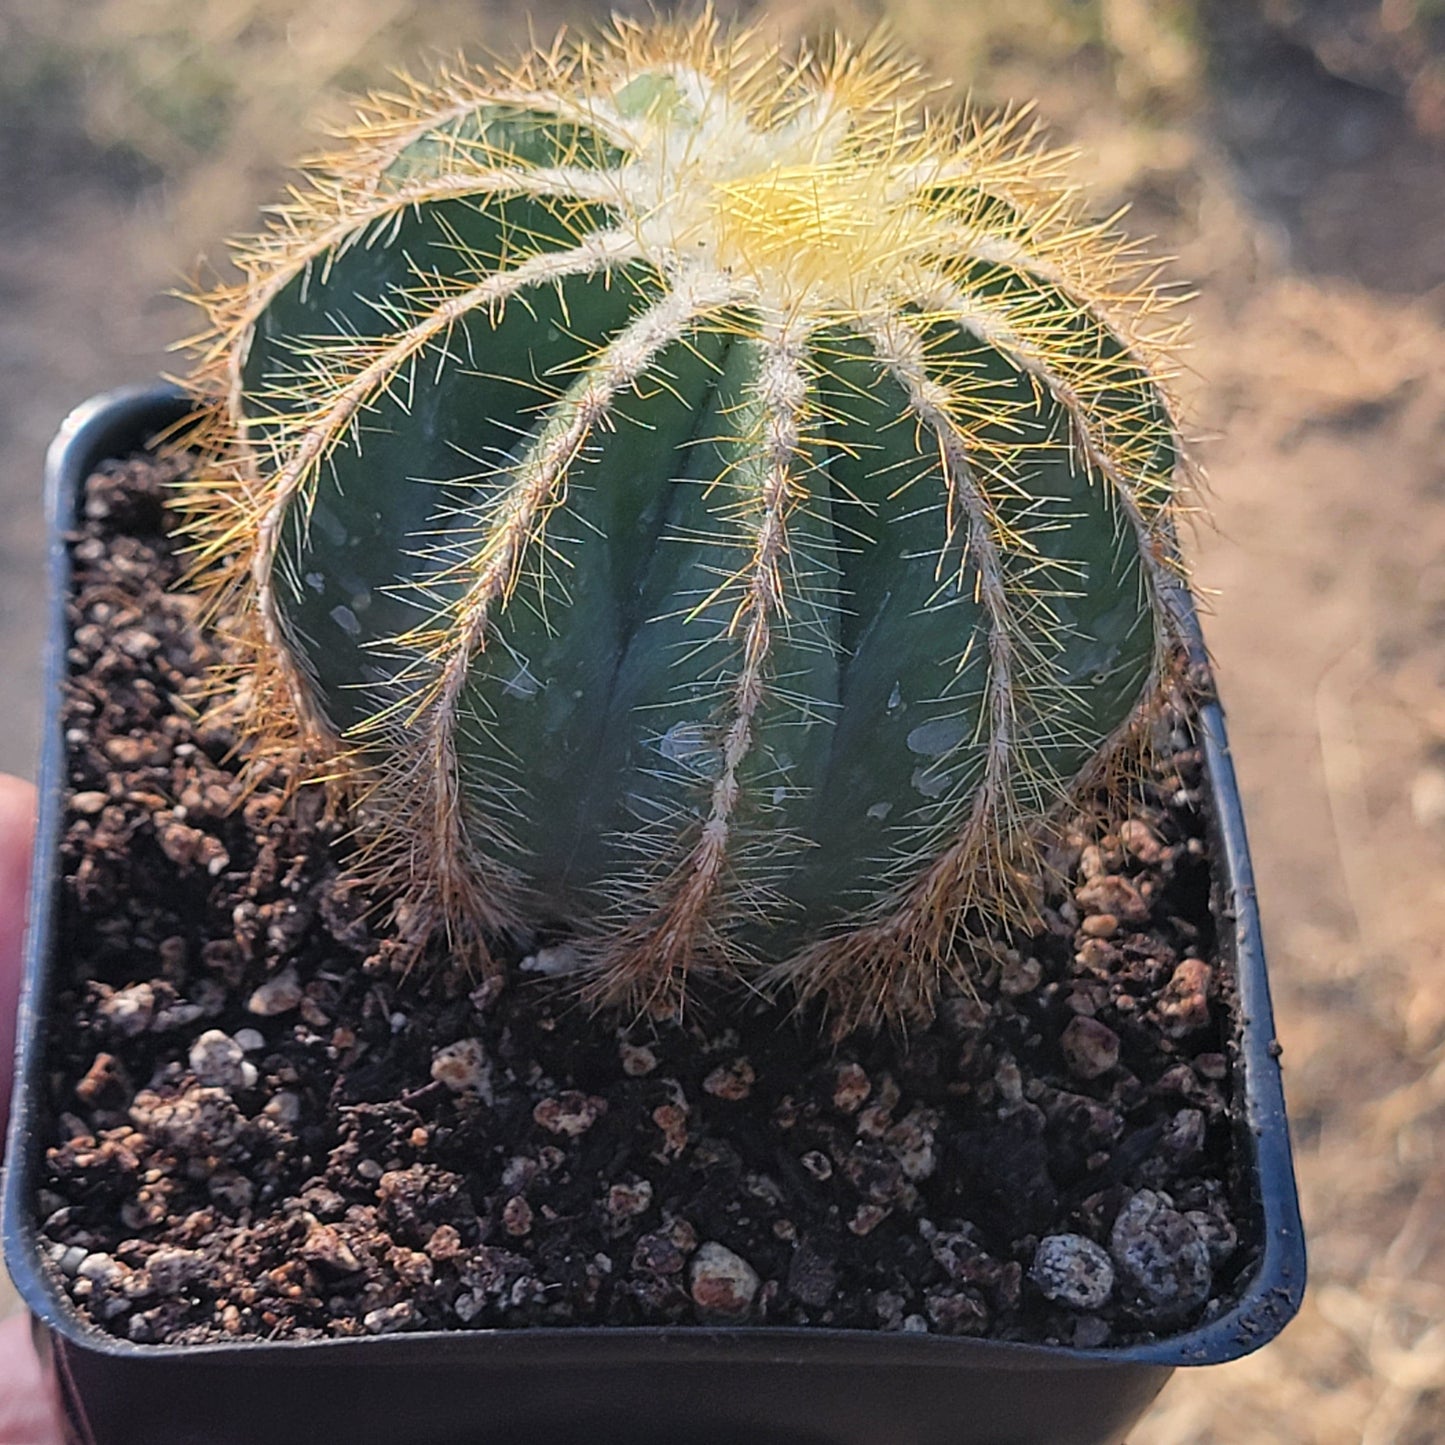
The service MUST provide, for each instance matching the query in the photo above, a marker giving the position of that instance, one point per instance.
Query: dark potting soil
(262, 1129)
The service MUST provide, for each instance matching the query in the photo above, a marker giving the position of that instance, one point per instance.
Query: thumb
(17, 830)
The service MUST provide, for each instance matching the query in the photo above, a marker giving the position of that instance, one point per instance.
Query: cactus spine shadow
(710, 503)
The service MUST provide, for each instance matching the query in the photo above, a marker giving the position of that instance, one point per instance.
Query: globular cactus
(710, 504)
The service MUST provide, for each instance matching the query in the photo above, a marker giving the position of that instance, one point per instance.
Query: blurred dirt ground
(1289, 153)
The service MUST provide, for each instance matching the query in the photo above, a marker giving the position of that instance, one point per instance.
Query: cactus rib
(660, 947)
(307, 445)
(449, 878)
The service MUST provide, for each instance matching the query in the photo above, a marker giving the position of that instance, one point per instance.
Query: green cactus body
(709, 512)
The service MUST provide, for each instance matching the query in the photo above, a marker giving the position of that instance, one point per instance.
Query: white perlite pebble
(277, 995)
(71, 1259)
(1072, 1270)
(1163, 1263)
(552, 962)
(464, 1068)
(218, 1061)
(1220, 1237)
(388, 1319)
(129, 1011)
(102, 1269)
(722, 1283)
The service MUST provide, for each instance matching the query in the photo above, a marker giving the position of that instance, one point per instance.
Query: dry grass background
(1283, 150)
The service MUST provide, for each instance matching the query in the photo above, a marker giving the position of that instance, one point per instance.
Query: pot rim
(129, 418)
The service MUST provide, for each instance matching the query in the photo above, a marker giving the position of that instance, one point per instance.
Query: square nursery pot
(763, 1385)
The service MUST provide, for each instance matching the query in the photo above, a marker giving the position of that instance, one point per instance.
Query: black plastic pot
(696, 1386)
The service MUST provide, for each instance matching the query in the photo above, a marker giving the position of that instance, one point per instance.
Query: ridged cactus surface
(708, 504)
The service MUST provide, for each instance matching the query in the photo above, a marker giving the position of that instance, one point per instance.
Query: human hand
(27, 1415)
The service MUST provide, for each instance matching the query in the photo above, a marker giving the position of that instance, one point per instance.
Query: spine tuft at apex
(704, 501)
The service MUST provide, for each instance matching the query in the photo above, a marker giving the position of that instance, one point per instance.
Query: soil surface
(261, 1129)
